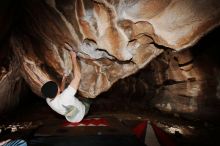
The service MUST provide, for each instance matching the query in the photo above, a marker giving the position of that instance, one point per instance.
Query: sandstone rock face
(11, 86)
(113, 39)
(185, 84)
(179, 83)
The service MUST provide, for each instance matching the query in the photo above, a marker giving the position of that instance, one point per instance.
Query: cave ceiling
(113, 39)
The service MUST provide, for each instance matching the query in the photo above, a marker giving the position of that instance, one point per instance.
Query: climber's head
(49, 89)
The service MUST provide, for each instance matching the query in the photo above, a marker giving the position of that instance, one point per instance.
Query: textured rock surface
(186, 84)
(113, 38)
(11, 86)
(173, 83)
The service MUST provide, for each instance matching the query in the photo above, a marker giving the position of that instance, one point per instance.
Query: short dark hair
(49, 89)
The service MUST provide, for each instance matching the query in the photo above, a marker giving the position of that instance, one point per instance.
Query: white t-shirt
(68, 105)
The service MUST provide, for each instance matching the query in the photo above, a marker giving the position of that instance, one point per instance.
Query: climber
(64, 101)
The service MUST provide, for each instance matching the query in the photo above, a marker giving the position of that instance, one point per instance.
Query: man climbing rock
(64, 102)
